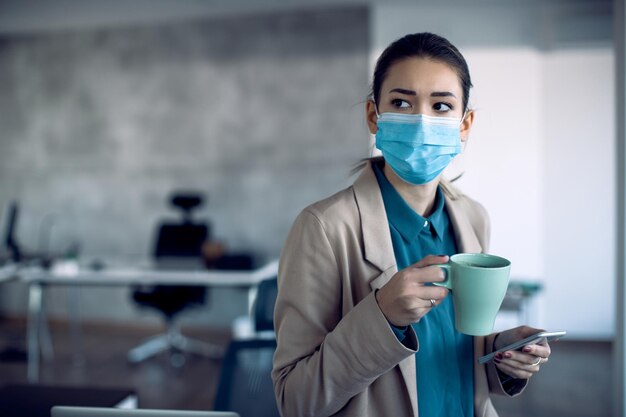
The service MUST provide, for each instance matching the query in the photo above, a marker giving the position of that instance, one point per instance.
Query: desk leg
(45, 336)
(243, 327)
(75, 316)
(35, 297)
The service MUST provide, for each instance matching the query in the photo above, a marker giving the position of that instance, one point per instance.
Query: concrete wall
(262, 112)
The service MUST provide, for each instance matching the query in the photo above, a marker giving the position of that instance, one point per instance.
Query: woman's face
(421, 86)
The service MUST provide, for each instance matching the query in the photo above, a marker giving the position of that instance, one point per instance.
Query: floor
(102, 363)
(576, 381)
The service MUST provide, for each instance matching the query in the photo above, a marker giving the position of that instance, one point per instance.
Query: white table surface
(72, 274)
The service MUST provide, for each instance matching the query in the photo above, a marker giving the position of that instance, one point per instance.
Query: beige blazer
(337, 354)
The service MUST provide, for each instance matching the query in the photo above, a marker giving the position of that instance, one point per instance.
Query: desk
(518, 296)
(72, 275)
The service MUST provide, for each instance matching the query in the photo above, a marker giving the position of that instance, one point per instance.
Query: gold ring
(536, 363)
(432, 303)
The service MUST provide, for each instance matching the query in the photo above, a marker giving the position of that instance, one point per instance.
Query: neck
(421, 198)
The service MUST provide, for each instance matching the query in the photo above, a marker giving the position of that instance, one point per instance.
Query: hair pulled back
(421, 45)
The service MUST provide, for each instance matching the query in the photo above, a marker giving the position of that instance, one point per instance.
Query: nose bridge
(423, 105)
(423, 108)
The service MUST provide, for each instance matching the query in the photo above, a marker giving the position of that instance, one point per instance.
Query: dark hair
(421, 45)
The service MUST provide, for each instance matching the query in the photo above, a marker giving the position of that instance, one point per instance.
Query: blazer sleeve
(324, 355)
(512, 387)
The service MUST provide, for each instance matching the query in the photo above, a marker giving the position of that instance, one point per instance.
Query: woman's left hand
(520, 364)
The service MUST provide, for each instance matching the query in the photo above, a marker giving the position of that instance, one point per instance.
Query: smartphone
(540, 337)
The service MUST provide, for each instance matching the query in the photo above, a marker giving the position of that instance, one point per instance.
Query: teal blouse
(444, 362)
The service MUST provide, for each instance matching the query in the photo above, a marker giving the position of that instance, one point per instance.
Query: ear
(466, 125)
(370, 116)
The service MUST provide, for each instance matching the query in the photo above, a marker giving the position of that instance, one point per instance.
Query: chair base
(174, 342)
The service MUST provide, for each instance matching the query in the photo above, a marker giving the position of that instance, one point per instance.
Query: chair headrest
(187, 201)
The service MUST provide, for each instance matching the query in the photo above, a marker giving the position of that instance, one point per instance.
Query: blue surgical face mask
(416, 146)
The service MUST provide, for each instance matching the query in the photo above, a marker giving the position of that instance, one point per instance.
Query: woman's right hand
(405, 299)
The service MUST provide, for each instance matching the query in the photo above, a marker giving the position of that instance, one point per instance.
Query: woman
(361, 331)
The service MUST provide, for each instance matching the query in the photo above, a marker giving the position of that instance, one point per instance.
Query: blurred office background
(107, 107)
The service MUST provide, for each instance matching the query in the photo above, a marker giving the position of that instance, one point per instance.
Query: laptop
(65, 411)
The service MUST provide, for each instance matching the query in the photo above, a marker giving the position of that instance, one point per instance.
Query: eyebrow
(413, 93)
(442, 94)
(403, 91)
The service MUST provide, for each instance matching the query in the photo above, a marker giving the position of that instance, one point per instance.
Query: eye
(400, 104)
(442, 107)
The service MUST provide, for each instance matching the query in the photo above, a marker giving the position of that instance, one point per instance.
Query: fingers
(507, 337)
(431, 260)
(424, 274)
(521, 359)
(525, 363)
(425, 270)
(542, 350)
(431, 292)
(514, 371)
(405, 299)
(423, 301)
(518, 364)
(430, 303)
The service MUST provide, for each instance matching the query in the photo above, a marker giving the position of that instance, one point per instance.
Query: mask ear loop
(463, 117)
(373, 147)
(464, 146)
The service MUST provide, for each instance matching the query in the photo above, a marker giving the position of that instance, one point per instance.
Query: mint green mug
(478, 283)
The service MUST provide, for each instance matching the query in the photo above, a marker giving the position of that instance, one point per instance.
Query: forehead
(422, 74)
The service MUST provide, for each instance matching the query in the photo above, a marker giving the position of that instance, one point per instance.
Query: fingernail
(527, 349)
(499, 356)
(508, 355)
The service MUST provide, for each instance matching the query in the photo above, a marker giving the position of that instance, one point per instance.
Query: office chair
(245, 384)
(178, 245)
(11, 250)
(264, 305)
(10, 240)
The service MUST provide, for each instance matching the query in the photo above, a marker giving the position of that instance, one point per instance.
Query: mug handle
(447, 271)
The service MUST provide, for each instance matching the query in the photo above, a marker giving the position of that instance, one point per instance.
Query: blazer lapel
(378, 249)
(466, 238)
(379, 252)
